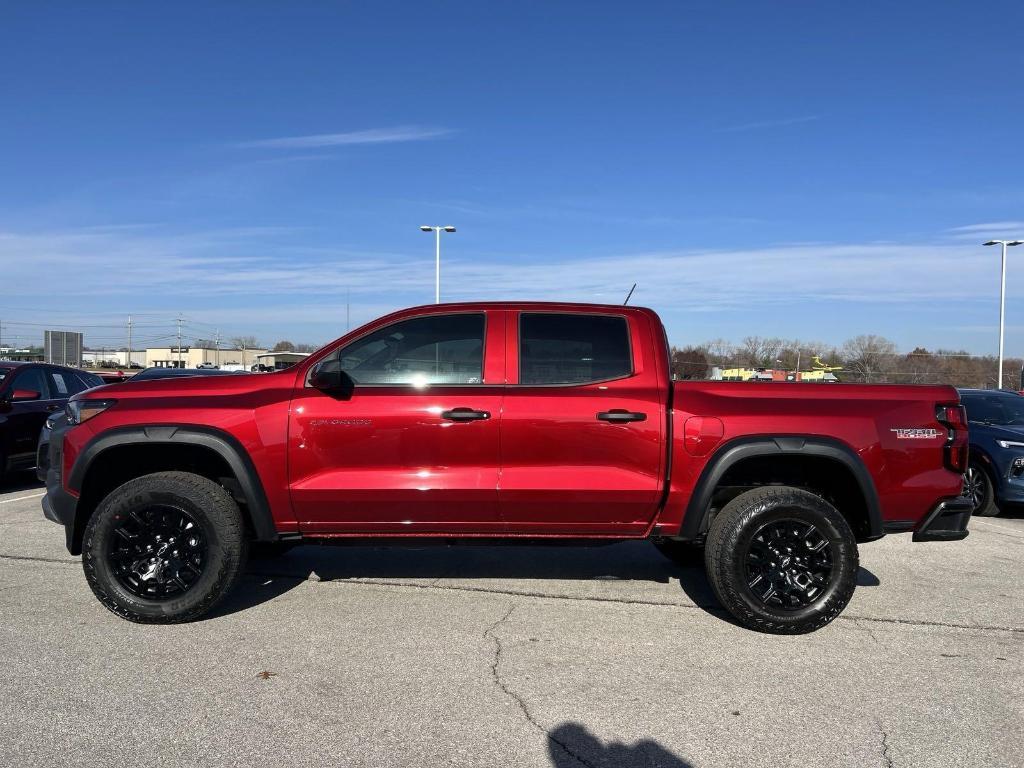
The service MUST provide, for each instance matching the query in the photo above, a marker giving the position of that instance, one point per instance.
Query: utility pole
(129, 342)
(179, 340)
(216, 347)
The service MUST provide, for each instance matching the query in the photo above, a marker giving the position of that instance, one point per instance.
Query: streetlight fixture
(437, 259)
(1002, 299)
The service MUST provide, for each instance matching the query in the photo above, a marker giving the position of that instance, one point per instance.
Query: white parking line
(23, 498)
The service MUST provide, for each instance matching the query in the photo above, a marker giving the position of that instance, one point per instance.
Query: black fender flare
(695, 523)
(223, 444)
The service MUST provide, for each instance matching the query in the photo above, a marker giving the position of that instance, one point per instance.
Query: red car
(503, 420)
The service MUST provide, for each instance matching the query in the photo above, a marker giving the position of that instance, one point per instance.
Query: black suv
(29, 393)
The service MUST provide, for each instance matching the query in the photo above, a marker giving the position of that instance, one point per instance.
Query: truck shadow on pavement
(571, 745)
(441, 564)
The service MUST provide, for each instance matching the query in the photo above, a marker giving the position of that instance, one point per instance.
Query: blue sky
(812, 170)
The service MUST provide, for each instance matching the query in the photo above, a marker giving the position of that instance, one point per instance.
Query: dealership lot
(507, 656)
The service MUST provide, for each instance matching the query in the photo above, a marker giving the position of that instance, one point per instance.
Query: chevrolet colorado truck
(503, 420)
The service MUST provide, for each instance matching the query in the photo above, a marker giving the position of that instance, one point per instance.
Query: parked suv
(995, 472)
(29, 392)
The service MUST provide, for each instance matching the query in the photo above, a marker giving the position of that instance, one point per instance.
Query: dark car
(172, 373)
(995, 472)
(29, 392)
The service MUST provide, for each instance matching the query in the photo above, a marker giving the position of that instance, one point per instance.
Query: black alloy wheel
(781, 559)
(979, 491)
(788, 564)
(164, 547)
(158, 552)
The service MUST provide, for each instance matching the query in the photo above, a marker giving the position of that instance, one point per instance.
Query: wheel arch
(118, 455)
(838, 467)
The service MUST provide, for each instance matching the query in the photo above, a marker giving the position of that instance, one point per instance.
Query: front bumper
(59, 505)
(947, 522)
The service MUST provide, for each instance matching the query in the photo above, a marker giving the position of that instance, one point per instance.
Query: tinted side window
(981, 408)
(441, 349)
(572, 349)
(32, 379)
(65, 383)
(89, 380)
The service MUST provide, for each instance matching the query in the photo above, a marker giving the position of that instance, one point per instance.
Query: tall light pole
(1002, 300)
(437, 259)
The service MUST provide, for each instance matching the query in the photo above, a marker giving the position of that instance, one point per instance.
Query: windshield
(995, 409)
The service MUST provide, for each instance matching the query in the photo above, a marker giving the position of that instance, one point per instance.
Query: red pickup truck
(503, 420)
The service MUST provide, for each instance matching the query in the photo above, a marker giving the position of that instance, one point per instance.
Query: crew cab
(502, 420)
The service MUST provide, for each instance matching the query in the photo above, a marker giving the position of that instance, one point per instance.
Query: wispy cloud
(991, 229)
(769, 124)
(369, 136)
(257, 279)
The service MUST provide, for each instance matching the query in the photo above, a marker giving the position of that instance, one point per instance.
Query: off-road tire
(728, 543)
(986, 506)
(685, 554)
(214, 511)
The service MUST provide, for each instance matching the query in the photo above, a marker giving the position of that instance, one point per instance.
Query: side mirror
(327, 376)
(24, 394)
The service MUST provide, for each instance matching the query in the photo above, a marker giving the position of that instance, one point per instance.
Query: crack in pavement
(63, 561)
(869, 630)
(889, 762)
(499, 649)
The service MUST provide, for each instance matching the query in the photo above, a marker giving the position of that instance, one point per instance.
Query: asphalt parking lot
(513, 656)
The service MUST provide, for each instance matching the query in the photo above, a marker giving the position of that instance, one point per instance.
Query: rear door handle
(621, 416)
(52, 408)
(465, 414)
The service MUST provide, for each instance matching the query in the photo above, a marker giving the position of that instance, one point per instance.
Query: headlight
(1009, 444)
(79, 411)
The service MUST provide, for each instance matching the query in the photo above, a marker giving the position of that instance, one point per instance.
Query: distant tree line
(865, 359)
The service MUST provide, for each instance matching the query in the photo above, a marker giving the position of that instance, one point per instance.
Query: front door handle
(52, 408)
(465, 414)
(621, 416)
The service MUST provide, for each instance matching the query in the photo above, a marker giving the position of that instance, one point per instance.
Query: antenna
(628, 295)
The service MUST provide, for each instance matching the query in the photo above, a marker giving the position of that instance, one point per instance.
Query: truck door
(412, 447)
(583, 425)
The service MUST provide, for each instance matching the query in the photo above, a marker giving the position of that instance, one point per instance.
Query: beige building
(193, 357)
(276, 361)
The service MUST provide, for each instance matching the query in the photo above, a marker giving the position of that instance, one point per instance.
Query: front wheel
(978, 488)
(782, 560)
(164, 548)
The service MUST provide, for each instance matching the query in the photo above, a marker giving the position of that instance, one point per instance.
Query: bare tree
(868, 356)
(245, 342)
(690, 363)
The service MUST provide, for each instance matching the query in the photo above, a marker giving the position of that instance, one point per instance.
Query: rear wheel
(979, 489)
(782, 560)
(164, 548)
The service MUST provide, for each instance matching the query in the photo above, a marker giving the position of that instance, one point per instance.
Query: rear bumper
(946, 522)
